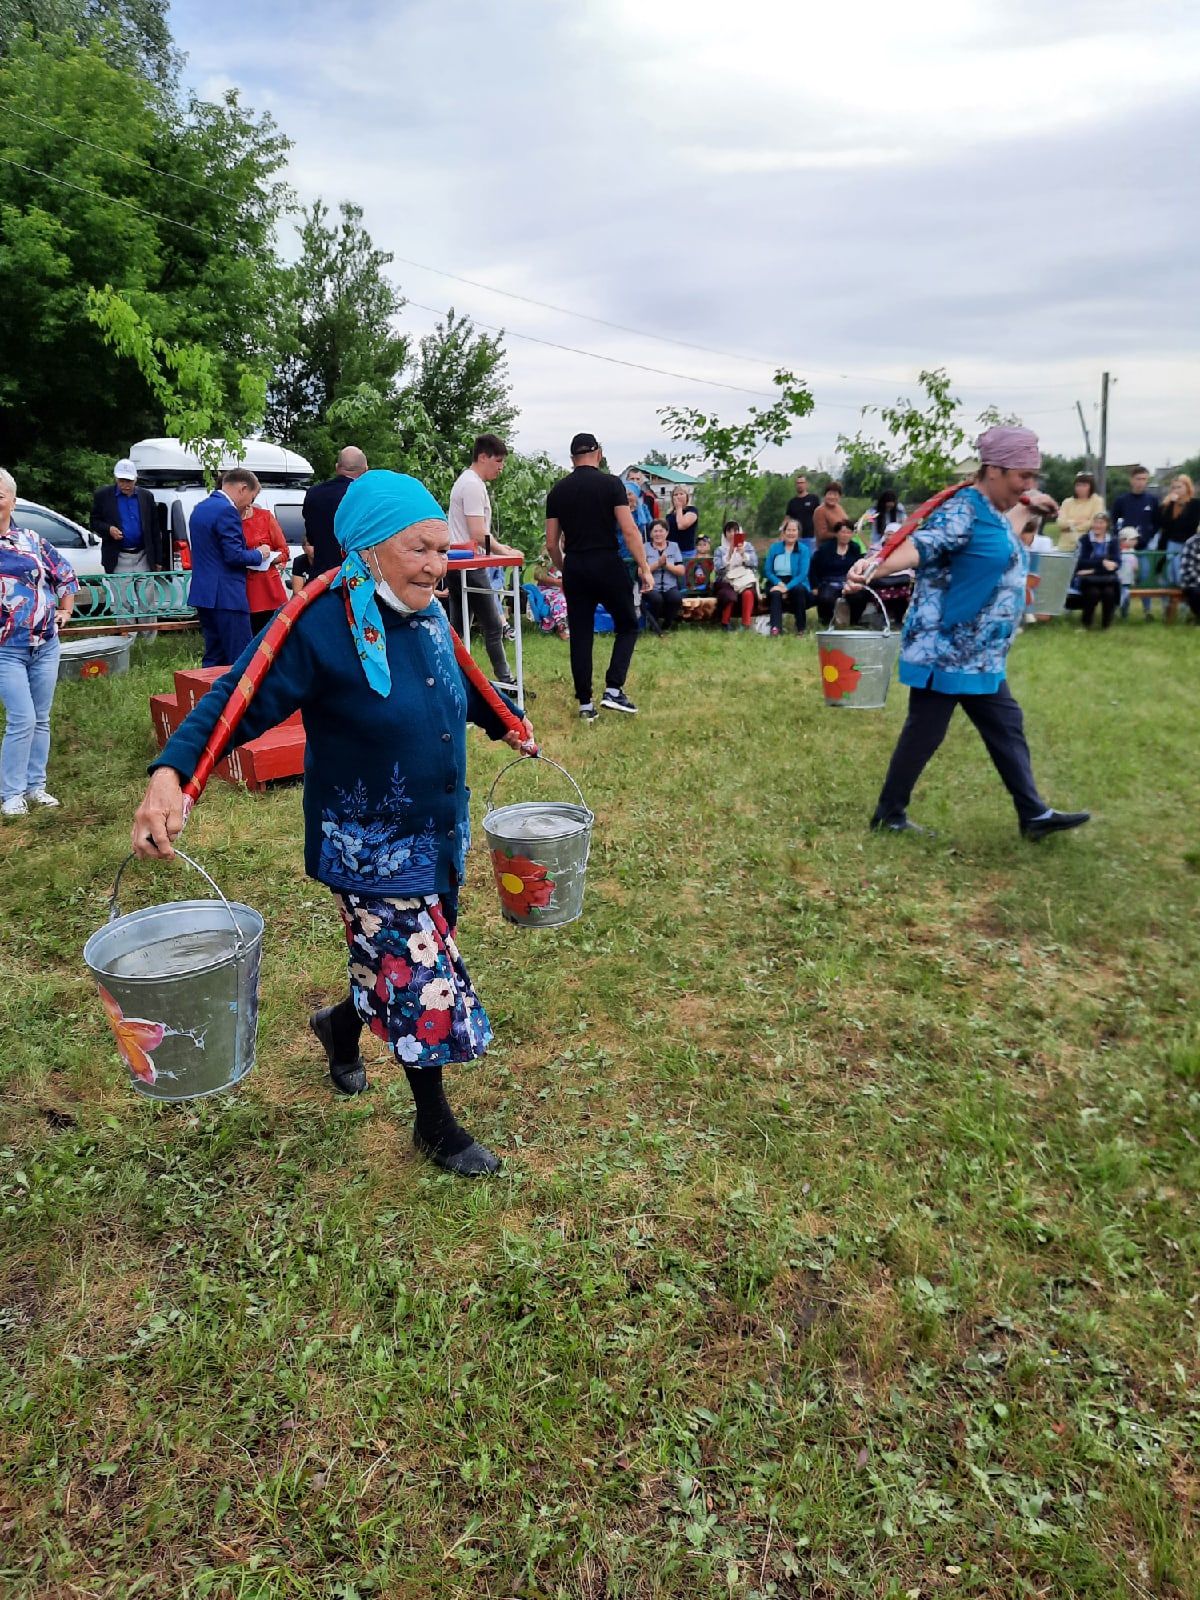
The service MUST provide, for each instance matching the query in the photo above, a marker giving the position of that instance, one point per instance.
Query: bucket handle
(887, 621)
(544, 761)
(114, 909)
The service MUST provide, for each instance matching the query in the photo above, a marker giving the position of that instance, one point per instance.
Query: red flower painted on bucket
(135, 1037)
(522, 883)
(94, 669)
(839, 673)
(1031, 582)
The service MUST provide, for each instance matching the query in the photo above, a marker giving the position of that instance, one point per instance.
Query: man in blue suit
(219, 561)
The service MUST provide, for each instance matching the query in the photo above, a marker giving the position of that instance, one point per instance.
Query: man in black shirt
(802, 505)
(583, 513)
(320, 508)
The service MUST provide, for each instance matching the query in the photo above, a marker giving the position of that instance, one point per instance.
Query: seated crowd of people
(1141, 543)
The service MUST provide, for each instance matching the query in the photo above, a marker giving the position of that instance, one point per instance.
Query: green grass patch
(848, 1236)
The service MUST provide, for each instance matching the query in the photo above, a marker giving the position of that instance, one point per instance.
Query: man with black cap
(583, 513)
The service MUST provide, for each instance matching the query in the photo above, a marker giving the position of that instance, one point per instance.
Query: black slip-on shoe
(476, 1161)
(348, 1077)
(1056, 822)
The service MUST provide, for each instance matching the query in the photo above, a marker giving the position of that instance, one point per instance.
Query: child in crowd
(300, 574)
(1128, 570)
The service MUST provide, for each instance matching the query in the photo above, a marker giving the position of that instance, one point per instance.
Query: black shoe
(900, 824)
(349, 1077)
(476, 1161)
(1056, 822)
(618, 700)
(588, 714)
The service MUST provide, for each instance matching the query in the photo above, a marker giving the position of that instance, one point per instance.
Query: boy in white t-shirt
(470, 519)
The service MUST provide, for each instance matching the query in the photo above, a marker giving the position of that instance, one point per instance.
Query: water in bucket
(179, 986)
(539, 851)
(856, 664)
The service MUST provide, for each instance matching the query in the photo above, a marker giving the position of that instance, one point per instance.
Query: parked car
(80, 545)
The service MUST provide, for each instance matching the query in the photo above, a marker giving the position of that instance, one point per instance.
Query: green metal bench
(133, 602)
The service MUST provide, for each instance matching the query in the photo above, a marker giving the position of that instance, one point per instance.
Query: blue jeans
(27, 682)
(1174, 550)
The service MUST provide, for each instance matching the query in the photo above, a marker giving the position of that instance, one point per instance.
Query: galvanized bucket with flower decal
(856, 663)
(179, 986)
(539, 851)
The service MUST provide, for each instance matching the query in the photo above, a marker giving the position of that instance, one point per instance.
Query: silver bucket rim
(245, 940)
(242, 944)
(581, 816)
(490, 809)
(104, 644)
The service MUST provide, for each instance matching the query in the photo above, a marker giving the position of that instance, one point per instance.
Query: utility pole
(1087, 438)
(1102, 458)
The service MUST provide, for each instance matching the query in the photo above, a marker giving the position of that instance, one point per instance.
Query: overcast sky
(854, 190)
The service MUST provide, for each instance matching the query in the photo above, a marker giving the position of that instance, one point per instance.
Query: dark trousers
(828, 596)
(1103, 592)
(797, 601)
(1192, 596)
(486, 616)
(664, 605)
(226, 634)
(590, 579)
(1001, 726)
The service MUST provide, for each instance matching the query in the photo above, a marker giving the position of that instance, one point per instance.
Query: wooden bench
(1171, 596)
(132, 602)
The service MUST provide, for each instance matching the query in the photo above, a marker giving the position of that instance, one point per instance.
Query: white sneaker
(39, 797)
(18, 806)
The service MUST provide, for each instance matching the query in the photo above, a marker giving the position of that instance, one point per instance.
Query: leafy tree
(777, 490)
(733, 449)
(134, 34)
(519, 500)
(461, 382)
(923, 444)
(152, 239)
(339, 377)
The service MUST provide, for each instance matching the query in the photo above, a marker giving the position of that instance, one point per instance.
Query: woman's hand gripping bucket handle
(114, 908)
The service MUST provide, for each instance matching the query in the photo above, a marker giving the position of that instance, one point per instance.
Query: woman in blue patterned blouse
(37, 590)
(370, 666)
(967, 605)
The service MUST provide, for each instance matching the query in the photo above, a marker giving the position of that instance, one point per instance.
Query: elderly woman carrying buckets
(371, 667)
(967, 604)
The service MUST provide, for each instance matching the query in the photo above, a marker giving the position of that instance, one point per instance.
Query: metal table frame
(510, 593)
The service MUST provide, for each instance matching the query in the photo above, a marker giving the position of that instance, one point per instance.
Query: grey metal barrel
(105, 656)
(179, 985)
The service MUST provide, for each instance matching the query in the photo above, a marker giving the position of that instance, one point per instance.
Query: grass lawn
(848, 1239)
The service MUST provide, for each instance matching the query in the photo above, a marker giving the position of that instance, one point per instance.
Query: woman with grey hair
(37, 589)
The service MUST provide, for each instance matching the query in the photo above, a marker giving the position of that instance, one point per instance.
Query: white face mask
(385, 592)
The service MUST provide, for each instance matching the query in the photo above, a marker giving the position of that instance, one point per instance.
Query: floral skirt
(556, 616)
(408, 980)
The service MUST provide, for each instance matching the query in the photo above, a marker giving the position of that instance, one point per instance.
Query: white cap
(125, 469)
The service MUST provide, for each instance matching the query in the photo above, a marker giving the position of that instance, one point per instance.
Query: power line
(594, 355)
(120, 155)
(99, 194)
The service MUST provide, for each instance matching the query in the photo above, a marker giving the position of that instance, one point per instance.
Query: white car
(80, 545)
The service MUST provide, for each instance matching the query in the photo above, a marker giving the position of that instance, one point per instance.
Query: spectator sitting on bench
(1179, 520)
(785, 576)
(547, 580)
(1097, 571)
(665, 559)
(832, 560)
(1189, 575)
(736, 567)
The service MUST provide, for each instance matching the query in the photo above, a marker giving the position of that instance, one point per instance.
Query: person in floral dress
(370, 665)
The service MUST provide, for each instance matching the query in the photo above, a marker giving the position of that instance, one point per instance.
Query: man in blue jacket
(219, 561)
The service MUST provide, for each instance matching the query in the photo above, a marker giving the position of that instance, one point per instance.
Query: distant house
(662, 479)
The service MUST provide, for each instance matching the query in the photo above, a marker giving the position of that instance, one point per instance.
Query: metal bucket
(856, 664)
(179, 984)
(1049, 579)
(105, 656)
(539, 851)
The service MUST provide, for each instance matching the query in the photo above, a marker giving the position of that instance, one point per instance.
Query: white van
(175, 477)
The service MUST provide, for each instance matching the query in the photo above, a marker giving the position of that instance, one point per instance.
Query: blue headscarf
(373, 508)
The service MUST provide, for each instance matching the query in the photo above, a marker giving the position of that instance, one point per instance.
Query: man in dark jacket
(125, 519)
(220, 557)
(320, 508)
